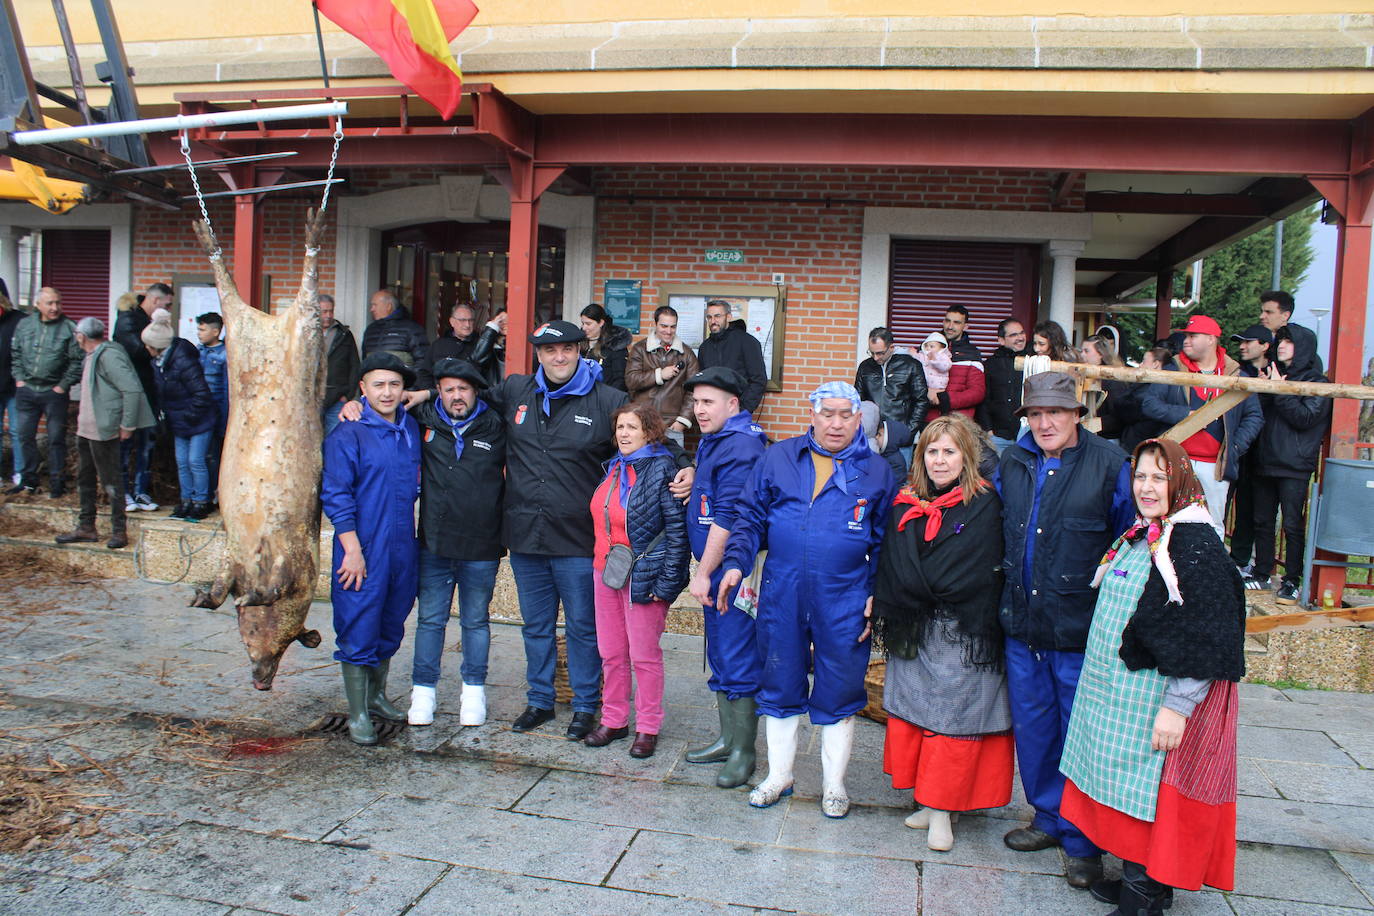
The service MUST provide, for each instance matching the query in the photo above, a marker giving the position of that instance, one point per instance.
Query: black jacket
(461, 498)
(553, 464)
(1239, 426)
(128, 332)
(1074, 529)
(611, 354)
(898, 387)
(342, 367)
(1290, 441)
(997, 413)
(183, 396)
(1129, 415)
(477, 348)
(397, 334)
(661, 572)
(8, 322)
(962, 349)
(735, 348)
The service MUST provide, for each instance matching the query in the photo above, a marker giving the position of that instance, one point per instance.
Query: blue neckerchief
(370, 417)
(584, 380)
(620, 464)
(741, 422)
(461, 426)
(856, 449)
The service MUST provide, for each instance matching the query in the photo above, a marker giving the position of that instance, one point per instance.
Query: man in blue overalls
(731, 445)
(818, 503)
(371, 480)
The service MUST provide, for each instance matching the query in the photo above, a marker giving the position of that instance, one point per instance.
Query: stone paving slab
(274, 873)
(992, 892)
(1290, 744)
(1360, 868)
(748, 874)
(40, 895)
(1298, 875)
(470, 890)
(1288, 823)
(1308, 782)
(464, 835)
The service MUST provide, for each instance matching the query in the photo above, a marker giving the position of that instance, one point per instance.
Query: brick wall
(814, 239)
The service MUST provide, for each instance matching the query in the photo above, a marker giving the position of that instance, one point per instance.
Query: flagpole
(319, 42)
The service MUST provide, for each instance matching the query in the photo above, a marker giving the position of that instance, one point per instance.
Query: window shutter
(993, 280)
(76, 262)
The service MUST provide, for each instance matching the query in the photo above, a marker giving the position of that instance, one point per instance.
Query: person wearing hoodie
(731, 445)
(189, 409)
(1284, 458)
(607, 344)
(371, 480)
(392, 331)
(818, 504)
(1216, 450)
(730, 344)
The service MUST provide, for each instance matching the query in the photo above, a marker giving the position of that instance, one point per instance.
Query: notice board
(622, 303)
(763, 309)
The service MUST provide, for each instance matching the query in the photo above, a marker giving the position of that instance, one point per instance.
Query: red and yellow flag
(412, 37)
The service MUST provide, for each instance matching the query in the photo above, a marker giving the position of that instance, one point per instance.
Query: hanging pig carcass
(270, 471)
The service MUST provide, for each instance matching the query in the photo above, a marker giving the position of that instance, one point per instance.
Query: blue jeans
(140, 445)
(10, 411)
(193, 473)
(541, 582)
(476, 581)
(330, 416)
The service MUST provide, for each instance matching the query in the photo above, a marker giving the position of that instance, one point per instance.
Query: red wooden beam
(951, 141)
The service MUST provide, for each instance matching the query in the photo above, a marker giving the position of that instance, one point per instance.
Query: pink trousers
(627, 634)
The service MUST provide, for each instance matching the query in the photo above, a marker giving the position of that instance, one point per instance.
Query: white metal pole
(180, 123)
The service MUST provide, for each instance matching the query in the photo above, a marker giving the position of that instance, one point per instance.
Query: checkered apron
(1107, 752)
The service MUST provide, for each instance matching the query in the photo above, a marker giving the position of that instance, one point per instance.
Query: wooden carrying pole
(1227, 382)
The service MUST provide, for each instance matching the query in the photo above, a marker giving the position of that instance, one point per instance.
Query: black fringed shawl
(957, 576)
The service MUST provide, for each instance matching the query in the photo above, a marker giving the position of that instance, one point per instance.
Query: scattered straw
(41, 804)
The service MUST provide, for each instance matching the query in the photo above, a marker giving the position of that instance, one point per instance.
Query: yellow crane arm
(30, 183)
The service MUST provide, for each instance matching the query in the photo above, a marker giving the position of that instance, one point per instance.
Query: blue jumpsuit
(725, 461)
(822, 556)
(371, 480)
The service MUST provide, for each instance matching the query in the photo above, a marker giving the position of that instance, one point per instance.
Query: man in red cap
(1215, 450)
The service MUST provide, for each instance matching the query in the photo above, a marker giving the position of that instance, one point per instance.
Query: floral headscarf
(1186, 504)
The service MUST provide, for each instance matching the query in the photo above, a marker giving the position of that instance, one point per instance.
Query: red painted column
(1348, 319)
(248, 251)
(521, 265)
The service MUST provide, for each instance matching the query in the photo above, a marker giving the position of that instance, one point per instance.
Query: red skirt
(1189, 844)
(946, 773)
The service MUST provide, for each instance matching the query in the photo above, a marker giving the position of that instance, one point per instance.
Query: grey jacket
(115, 393)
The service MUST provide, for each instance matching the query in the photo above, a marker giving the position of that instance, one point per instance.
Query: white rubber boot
(421, 706)
(836, 742)
(940, 837)
(782, 753)
(472, 709)
(920, 819)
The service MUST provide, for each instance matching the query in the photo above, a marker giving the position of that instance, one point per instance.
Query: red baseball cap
(1201, 324)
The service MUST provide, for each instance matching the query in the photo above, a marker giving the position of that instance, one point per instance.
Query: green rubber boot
(376, 697)
(357, 681)
(739, 766)
(719, 749)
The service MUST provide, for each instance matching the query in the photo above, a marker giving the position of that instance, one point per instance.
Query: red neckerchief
(1205, 393)
(929, 508)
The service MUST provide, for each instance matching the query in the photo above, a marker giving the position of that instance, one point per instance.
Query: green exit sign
(724, 256)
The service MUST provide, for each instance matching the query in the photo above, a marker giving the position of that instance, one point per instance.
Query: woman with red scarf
(1150, 755)
(935, 602)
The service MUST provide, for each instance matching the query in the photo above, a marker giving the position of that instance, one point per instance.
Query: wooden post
(525, 182)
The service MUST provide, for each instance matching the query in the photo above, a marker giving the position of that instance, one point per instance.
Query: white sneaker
(421, 706)
(129, 504)
(472, 708)
(145, 502)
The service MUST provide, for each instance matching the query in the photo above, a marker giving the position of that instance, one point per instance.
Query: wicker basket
(873, 683)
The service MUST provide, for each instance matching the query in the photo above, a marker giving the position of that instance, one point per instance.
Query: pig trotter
(213, 596)
(309, 638)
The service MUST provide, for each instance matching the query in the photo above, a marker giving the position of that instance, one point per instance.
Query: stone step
(90, 559)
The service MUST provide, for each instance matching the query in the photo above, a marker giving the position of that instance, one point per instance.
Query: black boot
(1108, 890)
(1141, 895)
(744, 731)
(719, 749)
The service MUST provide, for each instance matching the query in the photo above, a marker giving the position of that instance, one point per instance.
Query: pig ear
(310, 638)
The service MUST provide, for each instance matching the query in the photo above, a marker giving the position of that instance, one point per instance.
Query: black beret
(553, 332)
(385, 359)
(722, 377)
(451, 367)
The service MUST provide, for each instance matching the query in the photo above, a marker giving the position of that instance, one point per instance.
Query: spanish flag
(412, 37)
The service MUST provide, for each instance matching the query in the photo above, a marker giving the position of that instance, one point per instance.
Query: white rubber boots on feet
(836, 742)
(782, 753)
(940, 825)
(472, 709)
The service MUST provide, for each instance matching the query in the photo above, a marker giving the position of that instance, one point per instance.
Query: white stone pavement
(447, 820)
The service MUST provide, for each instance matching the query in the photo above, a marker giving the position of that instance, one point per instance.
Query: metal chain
(333, 158)
(200, 199)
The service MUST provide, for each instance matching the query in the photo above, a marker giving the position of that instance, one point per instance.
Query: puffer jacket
(644, 383)
(611, 350)
(397, 334)
(45, 354)
(183, 397)
(898, 387)
(1290, 442)
(651, 508)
